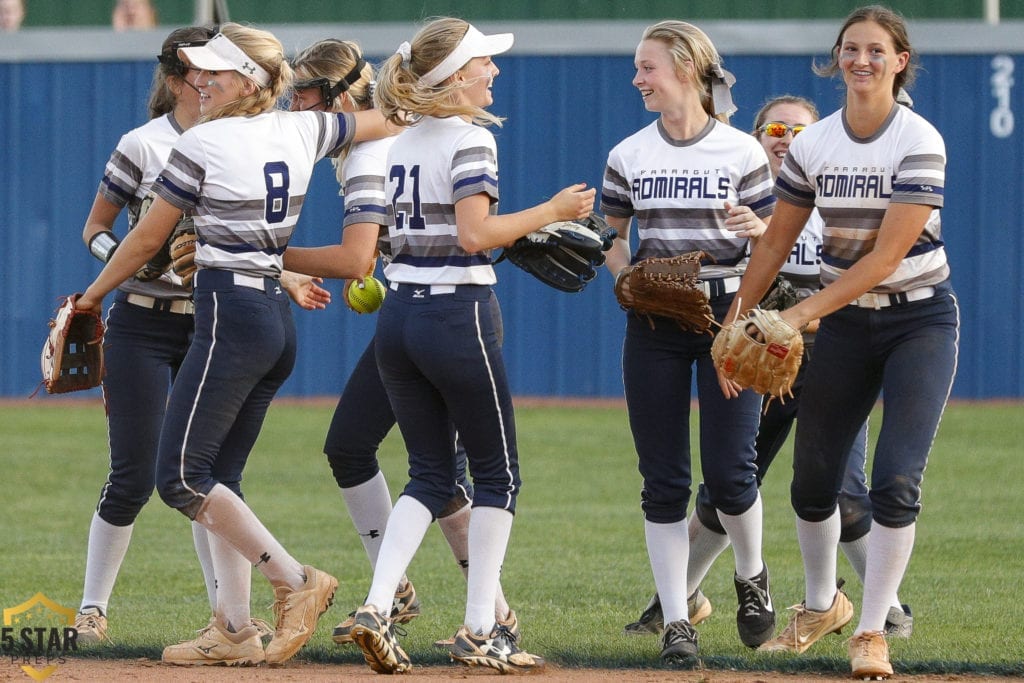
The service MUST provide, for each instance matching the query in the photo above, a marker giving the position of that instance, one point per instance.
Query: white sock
(234, 581)
(818, 541)
(201, 540)
(744, 532)
(668, 547)
(857, 554)
(226, 515)
(407, 526)
(489, 531)
(369, 505)
(888, 555)
(705, 547)
(107, 547)
(455, 528)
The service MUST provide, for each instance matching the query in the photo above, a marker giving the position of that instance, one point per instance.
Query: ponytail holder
(721, 96)
(405, 49)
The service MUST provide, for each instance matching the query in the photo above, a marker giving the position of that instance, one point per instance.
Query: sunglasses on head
(778, 129)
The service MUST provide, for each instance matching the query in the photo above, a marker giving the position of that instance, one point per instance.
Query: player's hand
(574, 202)
(86, 302)
(305, 290)
(743, 222)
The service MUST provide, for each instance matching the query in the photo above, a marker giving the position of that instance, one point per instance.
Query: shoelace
(754, 598)
(793, 627)
(678, 631)
(506, 633)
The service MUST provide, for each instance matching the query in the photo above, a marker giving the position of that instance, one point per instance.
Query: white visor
(220, 54)
(473, 44)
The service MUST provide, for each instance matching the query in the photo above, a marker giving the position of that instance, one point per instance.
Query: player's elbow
(472, 241)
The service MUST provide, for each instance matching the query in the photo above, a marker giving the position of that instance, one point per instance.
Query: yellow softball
(366, 296)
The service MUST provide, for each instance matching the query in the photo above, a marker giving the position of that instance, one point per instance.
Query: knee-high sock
(407, 525)
(818, 547)
(226, 515)
(455, 528)
(489, 531)
(856, 552)
(744, 532)
(668, 547)
(369, 505)
(201, 540)
(888, 555)
(705, 547)
(234, 583)
(107, 547)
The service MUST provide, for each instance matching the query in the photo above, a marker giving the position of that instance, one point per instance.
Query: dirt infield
(154, 672)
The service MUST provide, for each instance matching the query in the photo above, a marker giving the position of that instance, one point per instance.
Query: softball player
(776, 124)
(693, 183)
(243, 174)
(436, 341)
(149, 328)
(889, 324)
(333, 76)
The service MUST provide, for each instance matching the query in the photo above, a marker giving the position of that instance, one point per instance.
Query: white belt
(248, 281)
(183, 306)
(720, 286)
(876, 301)
(433, 289)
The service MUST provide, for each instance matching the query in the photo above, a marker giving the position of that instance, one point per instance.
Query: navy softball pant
(906, 353)
(658, 369)
(243, 351)
(440, 359)
(143, 349)
(363, 417)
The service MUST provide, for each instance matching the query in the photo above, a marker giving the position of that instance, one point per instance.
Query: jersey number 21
(407, 213)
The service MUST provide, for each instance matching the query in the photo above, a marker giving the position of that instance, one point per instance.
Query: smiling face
(217, 88)
(660, 85)
(868, 59)
(790, 114)
(478, 76)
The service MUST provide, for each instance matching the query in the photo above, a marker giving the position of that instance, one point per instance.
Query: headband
(220, 54)
(473, 44)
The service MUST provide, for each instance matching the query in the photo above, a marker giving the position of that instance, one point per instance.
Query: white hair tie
(405, 49)
(721, 84)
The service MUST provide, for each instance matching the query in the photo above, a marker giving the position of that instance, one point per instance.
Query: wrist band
(103, 244)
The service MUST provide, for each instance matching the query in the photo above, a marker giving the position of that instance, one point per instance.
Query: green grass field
(576, 568)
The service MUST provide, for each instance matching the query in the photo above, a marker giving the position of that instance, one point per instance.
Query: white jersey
(853, 180)
(245, 178)
(362, 179)
(431, 166)
(803, 267)
(677, 189)
(128, 178)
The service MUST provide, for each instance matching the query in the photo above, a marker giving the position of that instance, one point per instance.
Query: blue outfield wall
(62, 119)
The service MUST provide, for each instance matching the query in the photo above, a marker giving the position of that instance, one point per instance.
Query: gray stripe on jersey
(247, 210)
(365, 200)
(123, 173)
(666, 232)
(429, 245)
(477, 178)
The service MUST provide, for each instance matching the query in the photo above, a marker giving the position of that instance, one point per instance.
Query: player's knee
(457, 503)
(854, 516)
(352, 471)
(896, 503)
(180, 497)
(706, 512)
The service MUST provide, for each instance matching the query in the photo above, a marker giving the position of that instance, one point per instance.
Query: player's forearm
(332, 261)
